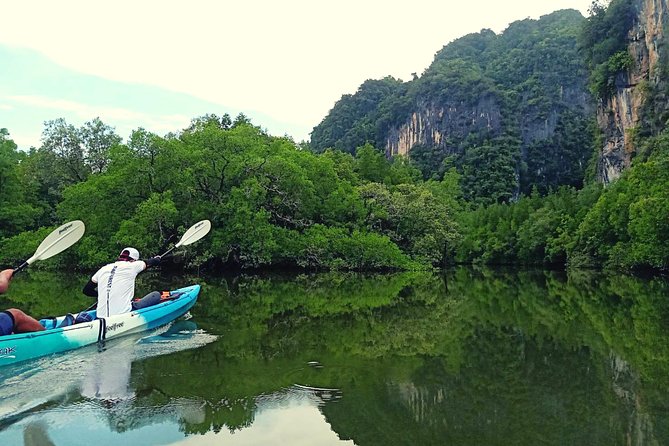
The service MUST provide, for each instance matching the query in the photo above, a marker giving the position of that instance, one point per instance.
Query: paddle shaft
(168, 251)
(21, 267)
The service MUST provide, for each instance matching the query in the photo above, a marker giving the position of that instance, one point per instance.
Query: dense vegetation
(528, 83)
(623, 226)
(345, 205)
(271, 204)
(603, 43)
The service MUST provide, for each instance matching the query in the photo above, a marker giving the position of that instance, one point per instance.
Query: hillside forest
(503, 192)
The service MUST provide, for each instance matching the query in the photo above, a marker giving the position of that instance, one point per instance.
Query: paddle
(194, 233)
(58, 241)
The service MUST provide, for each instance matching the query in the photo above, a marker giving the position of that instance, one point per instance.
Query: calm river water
(467, 357)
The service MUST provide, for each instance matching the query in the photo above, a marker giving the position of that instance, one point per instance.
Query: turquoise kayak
(24, 346)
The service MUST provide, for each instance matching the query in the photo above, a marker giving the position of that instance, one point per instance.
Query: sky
(158, 64)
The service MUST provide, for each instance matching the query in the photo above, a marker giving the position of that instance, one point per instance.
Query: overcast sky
(157, 64)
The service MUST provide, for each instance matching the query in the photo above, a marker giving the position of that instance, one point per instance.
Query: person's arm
(153, 261)
(91, 289)
(5, 278)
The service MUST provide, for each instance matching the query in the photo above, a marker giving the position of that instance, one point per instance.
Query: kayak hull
(25, 346)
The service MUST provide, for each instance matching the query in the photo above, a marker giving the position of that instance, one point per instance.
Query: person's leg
(150, 299)
(24, 323)
(6, 323)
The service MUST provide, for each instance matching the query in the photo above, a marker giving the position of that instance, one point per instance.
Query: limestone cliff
(433, 124)
(619, 115)
(506, 103)
(443, 125)
(509, 111)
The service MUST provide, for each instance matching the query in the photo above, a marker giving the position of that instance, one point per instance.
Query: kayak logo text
(6, 351)
(115, 326)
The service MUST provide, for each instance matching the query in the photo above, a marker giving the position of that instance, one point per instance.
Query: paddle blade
(195, 233)
(59, 240)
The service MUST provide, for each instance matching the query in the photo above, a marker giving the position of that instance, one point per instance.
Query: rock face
(452, 126)
(438, 124)
(499, 106)
(444, 125)
(620, 114)
(519, 99)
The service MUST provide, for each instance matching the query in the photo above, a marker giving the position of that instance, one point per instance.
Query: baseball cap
(129, 253)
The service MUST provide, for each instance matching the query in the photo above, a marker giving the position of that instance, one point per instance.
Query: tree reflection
(472, 356)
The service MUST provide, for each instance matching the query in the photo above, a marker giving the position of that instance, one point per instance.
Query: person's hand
(5, 278)
(153, 261)
(7, 274)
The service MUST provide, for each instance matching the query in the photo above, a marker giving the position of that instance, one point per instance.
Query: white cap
(131, 253)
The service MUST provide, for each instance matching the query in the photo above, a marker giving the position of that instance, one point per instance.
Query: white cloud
(125, 119)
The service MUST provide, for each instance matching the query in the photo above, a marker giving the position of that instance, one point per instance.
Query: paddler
(114, 284)
(15, 320)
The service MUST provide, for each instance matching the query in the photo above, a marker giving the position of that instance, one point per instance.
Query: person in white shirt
(114, 284)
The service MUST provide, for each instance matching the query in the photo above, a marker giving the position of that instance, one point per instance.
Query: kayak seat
(83, 317)
(49, 322)
(67, 321)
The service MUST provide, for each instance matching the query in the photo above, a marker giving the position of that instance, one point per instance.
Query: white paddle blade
(195, 233)
(59, 240)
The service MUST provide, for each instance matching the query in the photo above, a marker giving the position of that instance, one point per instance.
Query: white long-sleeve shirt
(116, 286)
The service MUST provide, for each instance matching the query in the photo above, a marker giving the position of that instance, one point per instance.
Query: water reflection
(469, 357)
(109, 379)
(92, 382)
(35, 434)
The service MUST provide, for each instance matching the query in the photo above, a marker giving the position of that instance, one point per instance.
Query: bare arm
(5, 278)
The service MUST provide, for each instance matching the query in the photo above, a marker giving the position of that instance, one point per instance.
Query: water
(467, 357)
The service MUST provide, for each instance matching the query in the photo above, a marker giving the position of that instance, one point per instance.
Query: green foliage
(534, 230)
(628, 225)
(506, 110)
(561, 159)
(271, 203)
(603, 41)
(624, 226)
(16, 212)
(418, 221)
(371, 165)
(154, 221)
(488, 172)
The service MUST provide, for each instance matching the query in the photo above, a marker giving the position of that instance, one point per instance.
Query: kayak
(24, 346)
